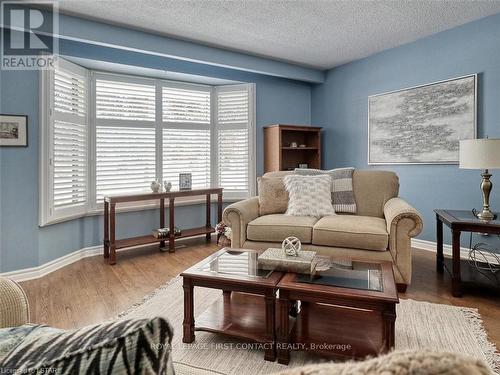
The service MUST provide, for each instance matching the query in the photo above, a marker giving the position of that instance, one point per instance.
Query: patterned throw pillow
(137, 346)
(342, 189)
(273, 197)
(309, 195)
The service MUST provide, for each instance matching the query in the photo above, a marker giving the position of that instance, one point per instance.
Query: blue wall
(340, 105)
(22, 243)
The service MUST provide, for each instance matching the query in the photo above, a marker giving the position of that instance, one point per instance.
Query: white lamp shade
(480, 153)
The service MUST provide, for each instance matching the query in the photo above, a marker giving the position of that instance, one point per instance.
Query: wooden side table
(458, 221)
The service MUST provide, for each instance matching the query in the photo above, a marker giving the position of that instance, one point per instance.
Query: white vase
(155, 186)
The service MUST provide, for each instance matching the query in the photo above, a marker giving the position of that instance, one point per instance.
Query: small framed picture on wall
(13, 130)
(185, 181)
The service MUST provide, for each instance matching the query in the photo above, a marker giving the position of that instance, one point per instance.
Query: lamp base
(486, 215)
(486, 187)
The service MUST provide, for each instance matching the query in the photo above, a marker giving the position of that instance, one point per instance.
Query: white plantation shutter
(125, 160)
(125, 136)
(70, 164)
(108, 134)
(235, 140)
(124, 100)
(186, 105)
(186, 133)
(70, 90)
(68, 139)
(187, 150)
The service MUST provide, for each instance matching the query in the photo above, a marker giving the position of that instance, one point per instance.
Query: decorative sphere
(291, 246)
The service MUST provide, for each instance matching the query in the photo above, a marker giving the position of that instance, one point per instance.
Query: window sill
(134, 208)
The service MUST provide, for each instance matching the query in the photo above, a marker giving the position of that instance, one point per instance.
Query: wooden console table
(111, 244)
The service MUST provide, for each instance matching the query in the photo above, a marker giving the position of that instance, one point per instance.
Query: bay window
(107, 134)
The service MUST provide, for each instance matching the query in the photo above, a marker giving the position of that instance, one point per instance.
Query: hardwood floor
(90, 291)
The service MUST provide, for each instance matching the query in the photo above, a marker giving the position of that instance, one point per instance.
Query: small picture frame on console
(185, 181)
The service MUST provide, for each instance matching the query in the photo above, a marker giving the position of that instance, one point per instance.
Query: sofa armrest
(403, 223)
(395, 210)
(237, 216)
(14, 307)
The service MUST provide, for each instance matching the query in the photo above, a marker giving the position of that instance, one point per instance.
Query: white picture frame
(13, 130)
(422, 124)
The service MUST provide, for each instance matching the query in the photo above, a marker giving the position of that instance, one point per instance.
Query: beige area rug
(419, 325)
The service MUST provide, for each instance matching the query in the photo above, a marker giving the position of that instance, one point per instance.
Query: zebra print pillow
(137, 346)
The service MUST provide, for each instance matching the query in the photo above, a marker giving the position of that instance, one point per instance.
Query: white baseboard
(46, 268)
(447, 250)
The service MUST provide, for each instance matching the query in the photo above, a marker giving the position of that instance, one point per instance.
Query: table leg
(188, 323)
(283, 329)
(439, 249)
(455, 277)
(208, 218)
(112, 219)
(106, 230)
(294, 309)
(389, 318)
(270, 351)
(162, 219)
(219, 211)
(171, 236)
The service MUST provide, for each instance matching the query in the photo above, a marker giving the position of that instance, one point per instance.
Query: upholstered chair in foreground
(14, 307)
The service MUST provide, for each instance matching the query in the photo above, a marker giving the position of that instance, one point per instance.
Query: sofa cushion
(372, 189)
(353, 231)
(273, 197)
(277, 227)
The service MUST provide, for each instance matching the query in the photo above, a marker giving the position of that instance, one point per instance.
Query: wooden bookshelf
(280, 155)
(111, 244)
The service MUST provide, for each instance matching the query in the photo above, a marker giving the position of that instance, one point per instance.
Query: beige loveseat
(381, 229)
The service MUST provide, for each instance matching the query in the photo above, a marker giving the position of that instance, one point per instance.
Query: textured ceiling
(315, 33)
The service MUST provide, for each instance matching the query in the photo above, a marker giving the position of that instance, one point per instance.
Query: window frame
(48, 213)
(91, 207)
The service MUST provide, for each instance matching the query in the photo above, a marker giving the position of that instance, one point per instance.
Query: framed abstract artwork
(14, 130)
(422, 124)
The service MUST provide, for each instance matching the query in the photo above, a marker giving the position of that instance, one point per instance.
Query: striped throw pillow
(342, 190)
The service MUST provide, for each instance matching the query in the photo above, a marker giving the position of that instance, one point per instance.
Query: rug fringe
(147, 297)
(490, 350)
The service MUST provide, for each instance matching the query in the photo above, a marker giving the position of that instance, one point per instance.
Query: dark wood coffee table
(345, 313)
(247, 305)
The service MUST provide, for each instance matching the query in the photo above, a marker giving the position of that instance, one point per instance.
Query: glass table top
(236, 262)
(347, 274)
(469, 216)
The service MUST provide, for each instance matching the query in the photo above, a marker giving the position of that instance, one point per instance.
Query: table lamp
(481, 154)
